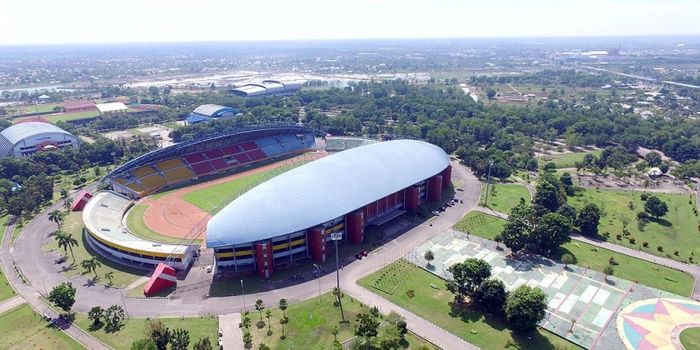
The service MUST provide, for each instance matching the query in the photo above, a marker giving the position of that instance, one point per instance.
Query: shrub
(645, 244)
(618, 236)
(632, 240)
(644, 197)
(411, 293)
(675, 253)
(660, 248)
(612, 261)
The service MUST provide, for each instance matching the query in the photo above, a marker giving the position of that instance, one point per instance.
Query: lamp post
(318, 275)
(243, 297)
(488, 182)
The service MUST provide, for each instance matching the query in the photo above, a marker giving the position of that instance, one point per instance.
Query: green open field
(133, 329)
(566, 160)
(23, 329)
(676, 231)
(504, 197)
(136, 224)
(432, 302)
(629, 268)
(73, 224)
(690, 338)
(310, 325)
(213, 198)
(66, 117)
(41, 108)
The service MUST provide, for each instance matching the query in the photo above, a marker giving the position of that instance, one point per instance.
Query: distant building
(654, 172)
(112, 108)
(24, 139)
(205, 113)
(268, 88)
(77, 106)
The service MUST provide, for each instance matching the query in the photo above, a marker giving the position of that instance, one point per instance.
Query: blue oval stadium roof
(210, 110)
(324, 190)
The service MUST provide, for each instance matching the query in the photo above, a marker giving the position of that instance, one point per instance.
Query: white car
(209, 268)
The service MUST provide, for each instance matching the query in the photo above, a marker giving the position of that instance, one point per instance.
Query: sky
(125, 21)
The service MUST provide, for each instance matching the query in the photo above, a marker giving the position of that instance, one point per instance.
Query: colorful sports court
(584, 306)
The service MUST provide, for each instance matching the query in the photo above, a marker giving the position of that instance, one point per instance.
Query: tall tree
(179, 339)
(63, 296)
(525, 307)
(259, 306)
(516, 231)
(552, 231)
(655, 206)
(588, 219)
(283, 306)
(491, 295)
(467, 276)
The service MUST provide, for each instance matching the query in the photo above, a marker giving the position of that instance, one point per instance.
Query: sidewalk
(231, 334)
(11, 303)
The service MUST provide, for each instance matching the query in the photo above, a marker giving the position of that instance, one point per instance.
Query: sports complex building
(105, 214)
(294, 215)
(288, 218)
(268, 88)
(24, 139)
(208, 112)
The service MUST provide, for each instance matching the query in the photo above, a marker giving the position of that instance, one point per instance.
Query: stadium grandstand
(79, 106)
(268, 88)
(192, 160)
(24, 139)
(205, 113)
(105, 232)
(294, 215)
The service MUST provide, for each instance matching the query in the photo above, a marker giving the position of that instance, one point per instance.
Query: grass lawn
(676, 231)
(310, 325)
(690, 338)
(629, 268)
(40, 108)
(6, 291)
(480, 224)
(133, 329)
(213, 198)
(566, 160)
(22, 328)
(432, 302)
(504, 197)
(65, 117)
(136, 224)
(73, 224)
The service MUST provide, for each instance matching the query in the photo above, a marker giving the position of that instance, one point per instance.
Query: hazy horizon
(132, 22)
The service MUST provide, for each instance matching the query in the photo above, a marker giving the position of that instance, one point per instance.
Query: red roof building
(80, 201)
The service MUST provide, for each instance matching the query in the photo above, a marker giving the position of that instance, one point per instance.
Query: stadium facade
(208, 112)
(268, 88)
(294, 215)
(105, 213)
(24, 139)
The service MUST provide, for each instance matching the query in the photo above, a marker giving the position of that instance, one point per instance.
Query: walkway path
(231, 334)
(11, 303)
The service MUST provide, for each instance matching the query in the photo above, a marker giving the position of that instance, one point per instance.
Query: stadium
(268, 88)
(195, 161)
(208, 112)
(24, 139)
(310, 197)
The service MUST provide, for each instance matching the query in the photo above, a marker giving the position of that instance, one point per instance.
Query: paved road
(42, 274)
(30, 294)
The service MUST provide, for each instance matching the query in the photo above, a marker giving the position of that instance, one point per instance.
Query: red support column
(447, 177)
(355, 226)
(435, 188)
(316, 243)
(412, 199)
(264, 259)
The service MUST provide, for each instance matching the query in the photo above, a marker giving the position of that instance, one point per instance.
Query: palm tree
(71, 242)
(109, 276)
(91, 265)
(268, 313)
(56, 216)
(259, 306)
(67, 203)
(283, 306)
(62, 240)
(335, 332)
(283, 321)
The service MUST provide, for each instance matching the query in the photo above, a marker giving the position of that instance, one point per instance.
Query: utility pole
(243, 297)
(336, 236)
(488, 182)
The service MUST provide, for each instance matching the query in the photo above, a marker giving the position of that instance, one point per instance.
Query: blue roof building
(295, 213)
(205, 113)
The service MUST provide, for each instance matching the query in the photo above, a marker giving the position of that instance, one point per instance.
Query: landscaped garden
(426, 295)
(503, 197)
(23, 328)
